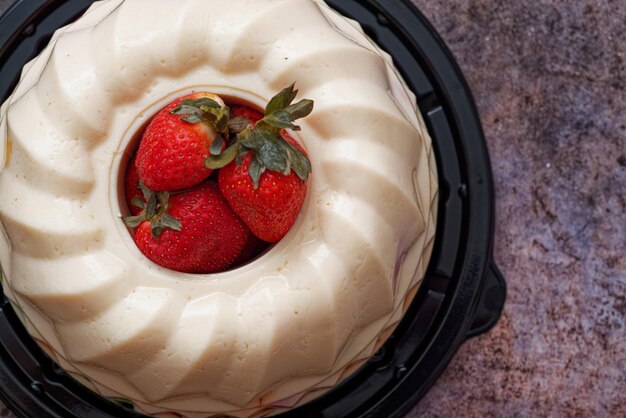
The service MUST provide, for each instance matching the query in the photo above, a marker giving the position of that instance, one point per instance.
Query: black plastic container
(462, 295)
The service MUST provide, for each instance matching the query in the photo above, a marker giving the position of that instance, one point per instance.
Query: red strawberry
(194, 231)
(264, 170)
(270, 209)
(173, 149)
(131, 187)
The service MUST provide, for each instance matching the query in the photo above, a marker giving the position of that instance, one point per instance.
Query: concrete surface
(549, 79)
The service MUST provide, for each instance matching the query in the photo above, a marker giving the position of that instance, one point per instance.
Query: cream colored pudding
(264, 337)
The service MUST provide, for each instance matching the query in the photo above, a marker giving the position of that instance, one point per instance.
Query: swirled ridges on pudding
(258, 339)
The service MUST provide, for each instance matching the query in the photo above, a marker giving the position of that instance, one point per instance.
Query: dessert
(268, 335)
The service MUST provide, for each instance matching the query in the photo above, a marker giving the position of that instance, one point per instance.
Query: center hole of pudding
(193, 184)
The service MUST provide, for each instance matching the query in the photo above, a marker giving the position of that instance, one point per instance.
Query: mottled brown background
(549, 79)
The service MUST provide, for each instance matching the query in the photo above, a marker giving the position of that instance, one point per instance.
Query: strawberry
(270, 209)
(194, 231)
(173, 148)
(131, 188)
(264, 171)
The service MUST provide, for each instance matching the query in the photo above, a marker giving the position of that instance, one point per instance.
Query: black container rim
(463, 292)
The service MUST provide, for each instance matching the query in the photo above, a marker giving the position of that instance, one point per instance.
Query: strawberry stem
(204, 110)
(154, 210)
(271, 150)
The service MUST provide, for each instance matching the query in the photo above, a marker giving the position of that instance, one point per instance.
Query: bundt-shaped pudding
(258, 338)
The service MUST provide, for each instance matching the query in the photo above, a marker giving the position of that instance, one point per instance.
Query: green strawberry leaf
(202, 103)
(301, 109)
(277, 121)
(223, 159)
(241, 152)
(139, 202)
(185, 109)
(169, 221)
(207, 103)
(222, 116)
(151, 207)
(193, 119)
(216, 145)
(238, 124)
(163, 198)
(144, 190)
(156, 227)
(277, 154)
(255, 170)
(272, 153)
(281, 100)
(204, 110)
(300, 163)
(252, 138)
(134, 221)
